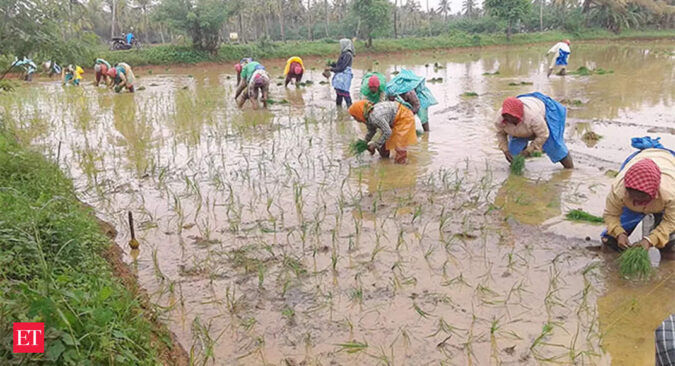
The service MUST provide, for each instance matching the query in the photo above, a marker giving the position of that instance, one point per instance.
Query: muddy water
(264, 242)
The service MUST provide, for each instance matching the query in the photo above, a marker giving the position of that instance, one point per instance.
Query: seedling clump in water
(518, 165)
(358, 147)
(581, 215)
(634, 263)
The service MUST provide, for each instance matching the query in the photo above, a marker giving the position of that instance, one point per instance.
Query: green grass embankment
(53, 270)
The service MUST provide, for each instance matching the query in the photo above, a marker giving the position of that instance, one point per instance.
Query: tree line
(66, 27)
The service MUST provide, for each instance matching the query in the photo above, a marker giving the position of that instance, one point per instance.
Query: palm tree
(469, 8)
(143, 5)
(444, 8)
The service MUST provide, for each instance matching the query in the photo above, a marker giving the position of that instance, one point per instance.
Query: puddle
(263, 241)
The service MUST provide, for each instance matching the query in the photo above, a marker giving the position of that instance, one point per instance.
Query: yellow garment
(78, 73)
(403, 130)
(664, 202)
(292, 60)
(533, 125)
(128, 73)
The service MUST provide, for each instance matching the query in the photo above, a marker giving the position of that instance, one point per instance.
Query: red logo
(29, 338)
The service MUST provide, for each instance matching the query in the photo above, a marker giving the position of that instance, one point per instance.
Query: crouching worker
(643, 189)
(72, 75)
(122, 77)
(294, 70)
(533, 122)
(254, 82)
(101, 68)
(396, 122)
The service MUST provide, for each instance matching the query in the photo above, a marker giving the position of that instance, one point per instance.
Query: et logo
(29, 337)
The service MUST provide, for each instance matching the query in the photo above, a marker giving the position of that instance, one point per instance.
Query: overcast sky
(455, 5)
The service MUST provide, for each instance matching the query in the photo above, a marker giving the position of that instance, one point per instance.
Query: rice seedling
(580, 215)
(352, 346)
(469, 94)
(357, 147)
(634, 263)
(517, 165)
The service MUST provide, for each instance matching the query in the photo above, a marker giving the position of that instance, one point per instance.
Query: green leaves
(53, 272)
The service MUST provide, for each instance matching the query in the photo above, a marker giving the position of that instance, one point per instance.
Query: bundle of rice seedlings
(536, 154)
(518, 165)
(581, 215)
(358, 147)
(634, 263)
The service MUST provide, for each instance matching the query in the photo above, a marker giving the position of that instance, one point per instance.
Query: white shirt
(559, 46)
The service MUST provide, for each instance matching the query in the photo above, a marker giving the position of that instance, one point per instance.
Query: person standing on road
(561, 52)
(533, 122)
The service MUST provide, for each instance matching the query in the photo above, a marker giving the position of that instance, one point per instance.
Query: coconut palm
(469, 7)
(444, 8)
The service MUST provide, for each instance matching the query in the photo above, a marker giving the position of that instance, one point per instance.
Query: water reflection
(532, 201)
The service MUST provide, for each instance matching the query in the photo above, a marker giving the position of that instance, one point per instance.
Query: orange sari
(403, 130)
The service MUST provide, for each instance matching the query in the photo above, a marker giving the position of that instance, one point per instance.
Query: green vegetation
(518, 165)
(510, 11)
(173, 54)
(52, 271)
(584, 71)
(358, 147)
(469, 94)
(634, 263)
(581, 215)
(281, 101)
(374, 17)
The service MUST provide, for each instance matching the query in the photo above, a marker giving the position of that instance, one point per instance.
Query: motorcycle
(120, 43)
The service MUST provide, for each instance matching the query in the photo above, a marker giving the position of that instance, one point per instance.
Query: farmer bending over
(122, 77)
(254, 79)
(293, 70)
(396, 122)
(645, 185)
(537, 118)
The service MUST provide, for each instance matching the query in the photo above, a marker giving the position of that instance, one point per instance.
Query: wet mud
(264, 242)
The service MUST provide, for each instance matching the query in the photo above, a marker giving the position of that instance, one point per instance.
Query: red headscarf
(644, 176)
(567, 41)
(259, 80)
(374, 82)
(514, 107)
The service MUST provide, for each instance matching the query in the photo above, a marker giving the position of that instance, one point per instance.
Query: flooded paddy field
(264, 242)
